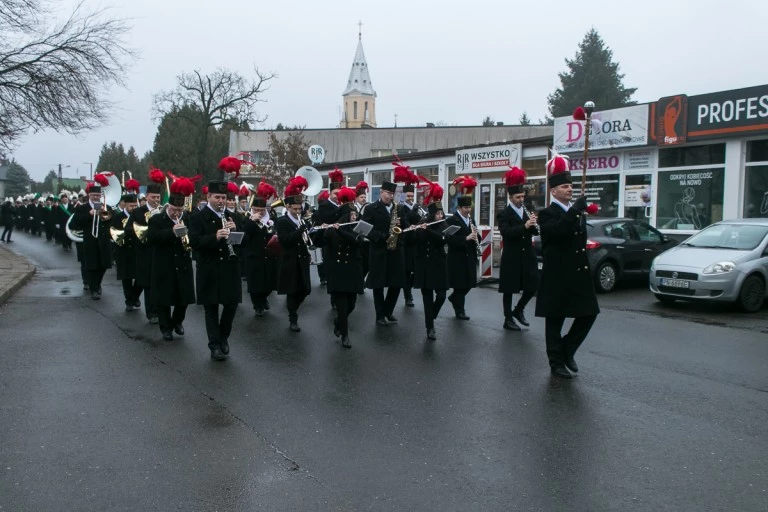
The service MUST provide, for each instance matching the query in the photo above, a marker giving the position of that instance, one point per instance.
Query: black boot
(336, 331)
(345, 341)
(431, 335)
(520, 317)
(510, 325)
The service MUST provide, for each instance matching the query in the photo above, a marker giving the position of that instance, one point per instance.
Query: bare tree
(55, 75)
(223, 97)
(286, 155)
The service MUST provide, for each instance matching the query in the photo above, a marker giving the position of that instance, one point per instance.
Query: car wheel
(664, 299)
(605, 277)
(752, 294)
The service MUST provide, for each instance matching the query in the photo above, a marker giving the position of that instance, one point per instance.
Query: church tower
(359, 96)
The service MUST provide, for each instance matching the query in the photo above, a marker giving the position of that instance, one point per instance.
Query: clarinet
(478, 247)
(229, 245)
(535, 224)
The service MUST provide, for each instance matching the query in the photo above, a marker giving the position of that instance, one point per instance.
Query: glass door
(638, 196)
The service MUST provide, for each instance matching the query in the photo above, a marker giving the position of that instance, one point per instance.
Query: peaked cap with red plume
(465, 184)
(101, 179)
(266, 191)
(434, 193)
(132, 185)
(324, 195)
(515, 179)
(361, 188)
(231, 165)
(296, 186)
(346, 195)
(335, 179)
(558, 170)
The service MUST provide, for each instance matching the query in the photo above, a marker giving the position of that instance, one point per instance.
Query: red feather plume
(132, 185)
(465, 184)
(244, 191)
(592, 208)
(300, 183)
(231, 187)
(514, 177)
(404, 175)
(579, 114)
(265, 190)
(434, 194)
(336, 175)
(361, 185)
(182, 186)
(230, 165)
(346, 195)
(205, 190)
(88, 187)
(323, 196)
(101, 180)
(156, 175)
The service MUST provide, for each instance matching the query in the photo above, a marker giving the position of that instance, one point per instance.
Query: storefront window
(690, 199)
(377, 178)
(535, 166)
(602, 190)
(692, 155)
(757, 151)
(756, 191)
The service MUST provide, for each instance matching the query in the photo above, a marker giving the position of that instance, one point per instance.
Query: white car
(727, 261)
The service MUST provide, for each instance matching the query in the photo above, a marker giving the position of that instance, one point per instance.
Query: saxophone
(394, 229)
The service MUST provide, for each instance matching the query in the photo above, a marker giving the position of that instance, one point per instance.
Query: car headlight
(722, 267)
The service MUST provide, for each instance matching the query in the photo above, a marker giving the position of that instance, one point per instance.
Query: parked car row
(724, 262)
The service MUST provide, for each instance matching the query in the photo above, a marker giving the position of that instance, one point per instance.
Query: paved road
(667, 413)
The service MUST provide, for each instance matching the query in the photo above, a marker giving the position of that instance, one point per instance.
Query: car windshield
(742, 237)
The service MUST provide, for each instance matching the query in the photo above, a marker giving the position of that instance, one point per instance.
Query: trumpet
(417, 226)
(185, 237)
(305, 236)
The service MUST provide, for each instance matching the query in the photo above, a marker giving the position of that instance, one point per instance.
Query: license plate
(541, 265)
(676, 283)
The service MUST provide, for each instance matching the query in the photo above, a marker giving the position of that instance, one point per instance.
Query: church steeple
(359, 96)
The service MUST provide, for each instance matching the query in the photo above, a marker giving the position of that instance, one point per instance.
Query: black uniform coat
(519, 269)
(218, 276)
(431, 265)
(386, 268)
(97, 252)
(172, 277)
(409, 241)
(260, 266)
(462, 255)
(293, 273)
(566, 288)
(125, 255)
(344, 266)
(9, 214)
(142, 250)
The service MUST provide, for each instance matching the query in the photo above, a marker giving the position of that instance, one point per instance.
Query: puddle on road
(52, 284)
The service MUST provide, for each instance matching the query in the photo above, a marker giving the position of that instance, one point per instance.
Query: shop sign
(636, 160)
(669, 120)
(488, 159)
(735, 112)
(608, 162)
(617, 128)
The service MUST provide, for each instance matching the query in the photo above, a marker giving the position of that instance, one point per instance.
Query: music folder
(450, 230)
(235, 237)
(363, 228)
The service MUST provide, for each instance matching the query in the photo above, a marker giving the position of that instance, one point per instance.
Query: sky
(442, 62)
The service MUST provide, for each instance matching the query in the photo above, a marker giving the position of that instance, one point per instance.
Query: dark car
(619, 248)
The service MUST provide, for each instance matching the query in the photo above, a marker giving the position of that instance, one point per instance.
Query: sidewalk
(14, 272)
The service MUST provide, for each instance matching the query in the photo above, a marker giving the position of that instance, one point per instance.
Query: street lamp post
(91, 164)
(61, 177)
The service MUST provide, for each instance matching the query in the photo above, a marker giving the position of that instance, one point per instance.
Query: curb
(19, 281)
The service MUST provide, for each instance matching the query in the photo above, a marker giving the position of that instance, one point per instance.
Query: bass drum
(75, 236)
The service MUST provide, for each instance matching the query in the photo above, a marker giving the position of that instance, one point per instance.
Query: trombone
(101, 215)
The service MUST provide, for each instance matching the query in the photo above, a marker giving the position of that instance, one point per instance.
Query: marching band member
(462, 248)
(140, 221)
(326, 212)
(82, 198)
(518, 269)
(386, 268)
(63, 213)
(218, 268)
(413, 211)
(361, 202)
(431, 275)
(260, 264)
(345, 269)
(97, 253)
(125, 254)
(172, 279)
(292, 231)
(566, 289)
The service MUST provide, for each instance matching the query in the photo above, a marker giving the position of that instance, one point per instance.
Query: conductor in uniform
(566, 289)
(172, 278)
(386, 267)
(218, 268)
(518, 269)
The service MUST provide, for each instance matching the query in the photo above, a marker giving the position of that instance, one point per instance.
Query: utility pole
(61, 181)
(91, 164)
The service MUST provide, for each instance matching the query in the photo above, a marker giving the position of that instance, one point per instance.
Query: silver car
(727, 261)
